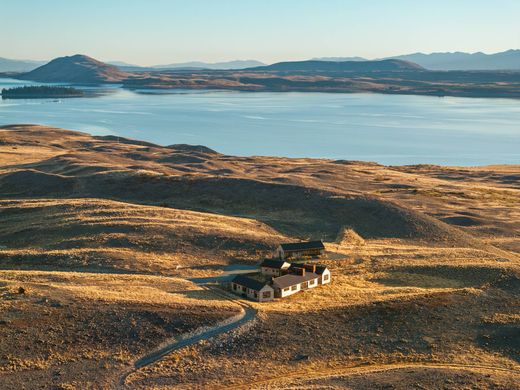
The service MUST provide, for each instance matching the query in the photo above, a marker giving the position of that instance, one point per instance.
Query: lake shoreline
(389, 129)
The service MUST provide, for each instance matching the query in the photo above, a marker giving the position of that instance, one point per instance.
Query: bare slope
(199, 179)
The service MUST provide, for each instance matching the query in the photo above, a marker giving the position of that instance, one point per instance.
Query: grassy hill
(100, 234)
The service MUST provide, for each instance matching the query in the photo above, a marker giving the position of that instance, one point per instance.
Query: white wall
(322, 279)
(290, 291)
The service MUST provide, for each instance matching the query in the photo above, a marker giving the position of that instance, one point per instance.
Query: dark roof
(273, 263)
(291, 280)
(251, 283)
(320, 269)
(301, 246)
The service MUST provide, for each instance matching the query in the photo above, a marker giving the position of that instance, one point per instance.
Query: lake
(389, 129)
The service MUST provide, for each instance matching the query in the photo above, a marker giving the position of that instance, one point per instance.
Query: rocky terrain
(100, 237)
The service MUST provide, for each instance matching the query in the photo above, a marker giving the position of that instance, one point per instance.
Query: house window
(286, 289)
(244, 289)
(326, 277)
(295, 287)
(266, 294)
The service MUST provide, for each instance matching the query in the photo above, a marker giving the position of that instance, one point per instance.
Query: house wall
(266, 289)
(300, 254)
(313, 283)
(271, 271)
(250, 293)
(289, 291)
(325, 277)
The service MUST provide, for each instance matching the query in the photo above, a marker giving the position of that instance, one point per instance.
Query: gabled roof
(291, 280)
(251, 283)
(278, 264)
(320, 269)
(301, 246)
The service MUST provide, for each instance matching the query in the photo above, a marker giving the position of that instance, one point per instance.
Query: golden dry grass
(90, 326)
(429, 275)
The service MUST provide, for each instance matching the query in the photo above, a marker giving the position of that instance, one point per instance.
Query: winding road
(248, 313)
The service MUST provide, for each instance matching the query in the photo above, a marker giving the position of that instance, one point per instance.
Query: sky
(151, 32)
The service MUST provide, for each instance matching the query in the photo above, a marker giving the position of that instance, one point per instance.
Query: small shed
(252, 288)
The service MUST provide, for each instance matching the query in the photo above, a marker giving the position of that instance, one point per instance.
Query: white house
(274, 267)
(294, 282)
(252, 288)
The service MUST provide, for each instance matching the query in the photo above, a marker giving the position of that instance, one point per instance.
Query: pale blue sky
(163, 31)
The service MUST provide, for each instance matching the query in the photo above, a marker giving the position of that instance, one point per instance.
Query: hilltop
(341, 66)
(76, 69)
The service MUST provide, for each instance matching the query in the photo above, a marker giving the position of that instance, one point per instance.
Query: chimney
(299, 271)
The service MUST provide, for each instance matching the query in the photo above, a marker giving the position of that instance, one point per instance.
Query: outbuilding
(274, 267)
(296, 250)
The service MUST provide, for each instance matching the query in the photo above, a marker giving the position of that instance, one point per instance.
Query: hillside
(341, 66)
(76, 69)
(103, 238)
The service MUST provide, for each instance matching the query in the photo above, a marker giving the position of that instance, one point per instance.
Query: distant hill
(507, 60)
(338, 66)
(236, 64)
(76, 69)
(8, 65)
(339, 59)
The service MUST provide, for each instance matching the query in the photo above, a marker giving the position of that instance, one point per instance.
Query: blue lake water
(388, 129)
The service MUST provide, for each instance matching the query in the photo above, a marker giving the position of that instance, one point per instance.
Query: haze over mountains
(8, 65)
(392, 76)
(507, 60)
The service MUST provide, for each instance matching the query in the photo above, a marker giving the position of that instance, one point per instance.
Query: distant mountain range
(76, 69)
(507, 60)
(337, 66)
(236, 64)
(7, 65)
(392, 76)
(193, 65)
(339, 59)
